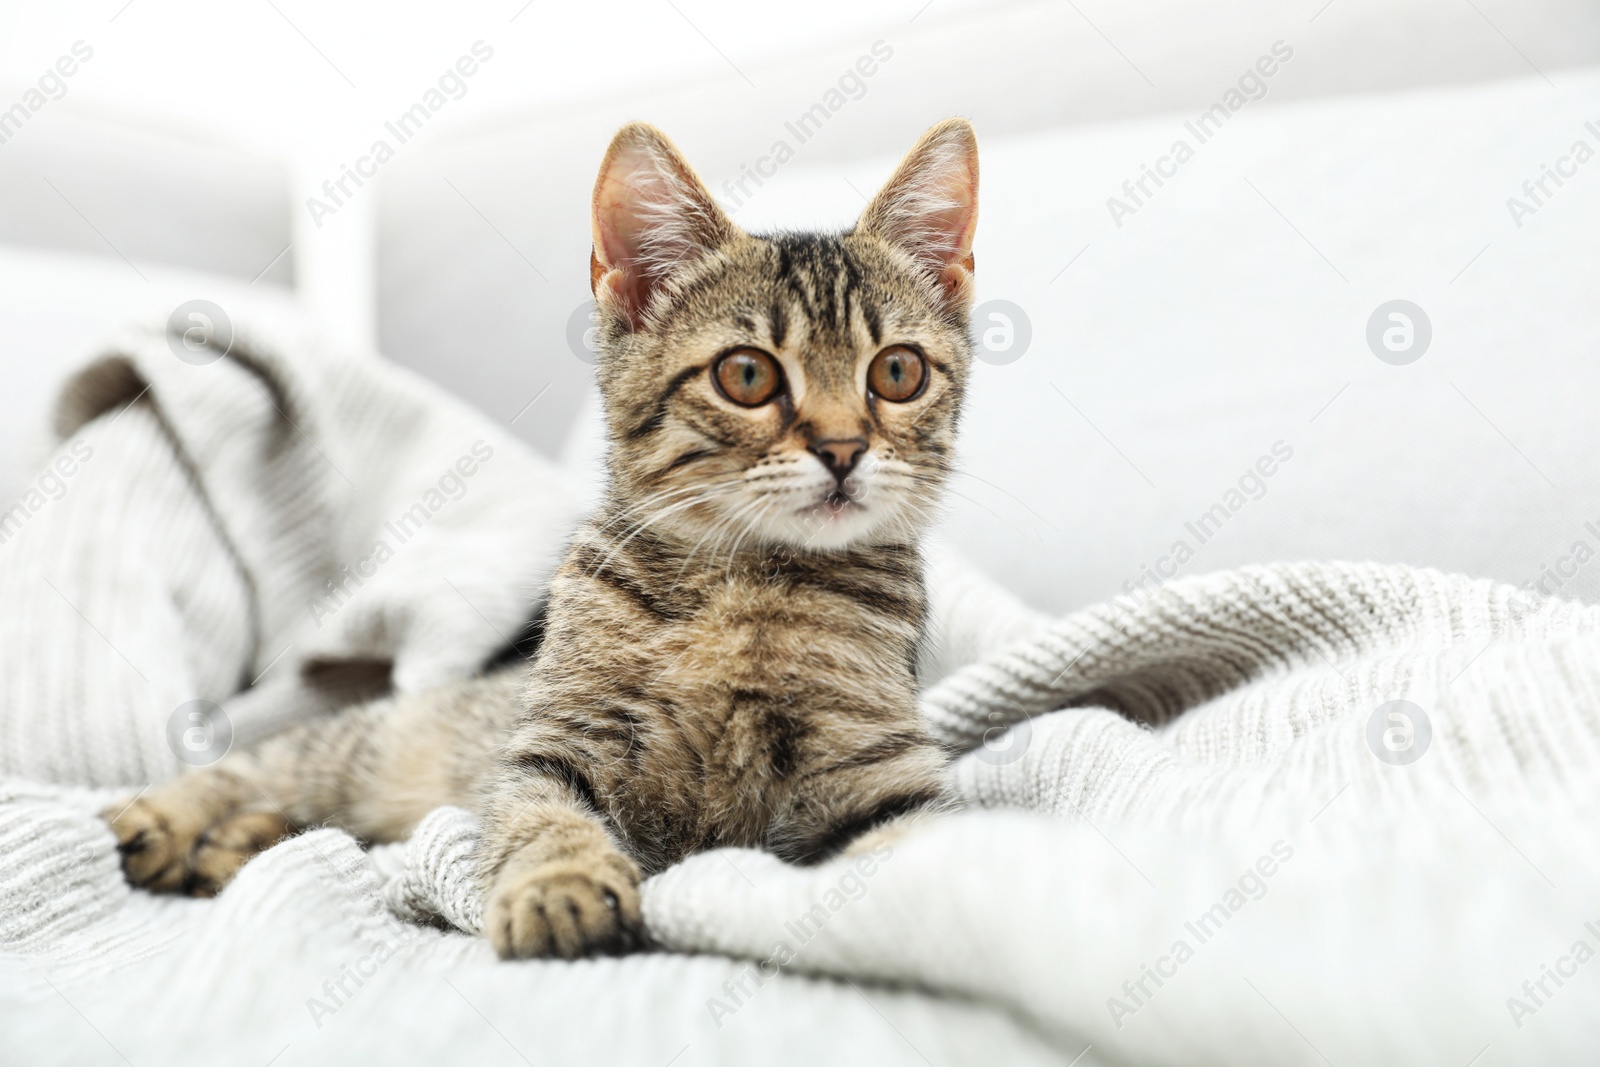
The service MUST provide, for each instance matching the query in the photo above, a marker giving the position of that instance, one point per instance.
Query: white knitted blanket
(1231, 848)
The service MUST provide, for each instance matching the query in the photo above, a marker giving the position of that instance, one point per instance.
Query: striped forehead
(819, 295)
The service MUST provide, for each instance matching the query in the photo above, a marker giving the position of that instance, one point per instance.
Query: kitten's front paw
(588, 905)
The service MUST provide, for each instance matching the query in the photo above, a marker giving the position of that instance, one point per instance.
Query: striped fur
(729, 646)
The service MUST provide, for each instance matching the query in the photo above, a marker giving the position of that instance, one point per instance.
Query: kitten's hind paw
(154, 840)
(227, 844)
(584, 906)
(180, 839)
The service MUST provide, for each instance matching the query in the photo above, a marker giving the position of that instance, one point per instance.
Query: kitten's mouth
(837, 502)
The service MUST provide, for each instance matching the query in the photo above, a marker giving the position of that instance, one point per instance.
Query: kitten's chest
(772, 694)
(756, 758)
(798, 669)
(741, 693)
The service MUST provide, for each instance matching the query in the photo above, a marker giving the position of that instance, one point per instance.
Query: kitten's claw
(569, 908)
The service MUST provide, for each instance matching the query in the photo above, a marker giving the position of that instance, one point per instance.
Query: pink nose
(840, 457)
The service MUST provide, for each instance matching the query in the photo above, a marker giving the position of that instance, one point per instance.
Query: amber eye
(897, 373)
(748, 376)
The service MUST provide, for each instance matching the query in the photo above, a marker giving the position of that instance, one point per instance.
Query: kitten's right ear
(929, 209)
(650, 216)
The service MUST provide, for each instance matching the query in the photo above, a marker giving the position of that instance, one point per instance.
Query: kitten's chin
(834, 523)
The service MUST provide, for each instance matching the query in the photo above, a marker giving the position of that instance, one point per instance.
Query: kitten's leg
(375, 769)
(558, 883)
(856, 803)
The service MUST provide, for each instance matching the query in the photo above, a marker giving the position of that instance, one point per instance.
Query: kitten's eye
(748, 376)
(897, 373)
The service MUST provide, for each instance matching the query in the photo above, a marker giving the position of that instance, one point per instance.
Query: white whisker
(657, 517)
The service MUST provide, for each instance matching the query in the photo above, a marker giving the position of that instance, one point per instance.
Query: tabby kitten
(730, 643)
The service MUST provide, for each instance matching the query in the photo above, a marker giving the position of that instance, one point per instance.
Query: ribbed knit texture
(1162, 753)
(189, 555)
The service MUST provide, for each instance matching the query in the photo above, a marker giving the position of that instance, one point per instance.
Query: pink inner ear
(942, 200)
(651, 215)
(929, 208)
(955, 226)
(619, 232)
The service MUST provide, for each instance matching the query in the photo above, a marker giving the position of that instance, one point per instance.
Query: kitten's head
(788, 389)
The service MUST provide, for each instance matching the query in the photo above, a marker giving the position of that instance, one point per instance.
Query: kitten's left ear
(929, 209)
(651, 215)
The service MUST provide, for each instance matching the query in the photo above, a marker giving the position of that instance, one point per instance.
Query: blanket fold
(230, 529)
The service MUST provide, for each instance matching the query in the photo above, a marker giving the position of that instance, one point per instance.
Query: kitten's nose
(840, 457)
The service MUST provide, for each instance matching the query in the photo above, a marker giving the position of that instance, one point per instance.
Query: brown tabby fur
(727, 659)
